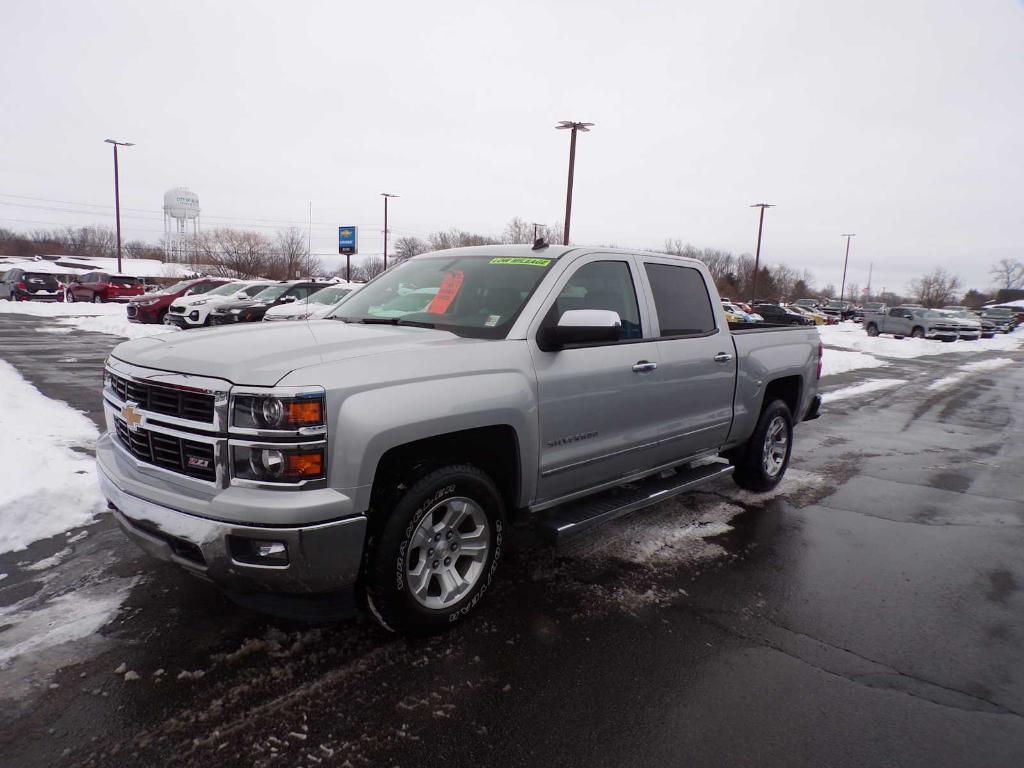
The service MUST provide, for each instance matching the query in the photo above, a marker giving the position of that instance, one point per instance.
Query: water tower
(181, 206)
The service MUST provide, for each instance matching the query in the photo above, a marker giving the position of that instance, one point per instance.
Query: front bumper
(943, 335)
(184, 321)
(323, 557)
(144, 314)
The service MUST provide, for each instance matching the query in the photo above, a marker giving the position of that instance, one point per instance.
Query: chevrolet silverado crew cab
(380, 454)
(918, 322)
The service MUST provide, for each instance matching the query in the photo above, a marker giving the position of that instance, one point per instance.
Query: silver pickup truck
(380, 454)
(919, 323)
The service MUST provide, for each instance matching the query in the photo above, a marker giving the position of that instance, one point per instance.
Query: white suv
(194, 311)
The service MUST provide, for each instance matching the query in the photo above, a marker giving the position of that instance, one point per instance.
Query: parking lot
(869, 611)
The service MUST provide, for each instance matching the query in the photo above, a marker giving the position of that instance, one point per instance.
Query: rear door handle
(644, 366)
(723, 357)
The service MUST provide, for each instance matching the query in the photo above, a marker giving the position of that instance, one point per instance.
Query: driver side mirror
(581, 326)
(288, 299)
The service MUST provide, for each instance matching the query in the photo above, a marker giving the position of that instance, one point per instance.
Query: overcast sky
(899, 120)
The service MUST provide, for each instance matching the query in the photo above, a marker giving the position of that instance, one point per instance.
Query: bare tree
(234, 253)
(936, 289)
(407, 247)
(1008, 274)
(457, 238)
(291, 257)
(367, 269)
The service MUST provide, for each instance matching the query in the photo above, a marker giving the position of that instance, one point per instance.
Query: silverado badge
(131, 416)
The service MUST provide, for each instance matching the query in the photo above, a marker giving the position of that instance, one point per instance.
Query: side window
(681, 300)
(195, 290)
(601, 285)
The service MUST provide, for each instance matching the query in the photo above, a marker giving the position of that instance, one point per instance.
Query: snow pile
(835, 361)
(50, 487)
(853, 337)
(966, 370)
(60, 309)
(871, 385)
(117, 326)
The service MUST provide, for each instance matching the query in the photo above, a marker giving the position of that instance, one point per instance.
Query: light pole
(757, 253)
(842, 288)
(565, 125)
(117, 195)
(386, 196)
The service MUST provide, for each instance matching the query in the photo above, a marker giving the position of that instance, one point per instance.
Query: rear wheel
(434, 556)
(762, 462)
(69, 297)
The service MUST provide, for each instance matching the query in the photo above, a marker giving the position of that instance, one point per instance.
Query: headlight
(277, 465)
(199, 302)
(305, 316)
(278, 413)
(235, 311)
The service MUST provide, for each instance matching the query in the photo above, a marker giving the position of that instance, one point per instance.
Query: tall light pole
(386, 196)
(566, 125)
(117, 195)
(757, 253)
(846, 261)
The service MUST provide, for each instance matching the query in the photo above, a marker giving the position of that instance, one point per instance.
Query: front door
(694, 391)
(598, 422)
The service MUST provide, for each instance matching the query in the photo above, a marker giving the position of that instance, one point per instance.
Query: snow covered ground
(835, 361)
(867, 387)
(965, 371)
(98, 318)
(49, 481)
(851, 336)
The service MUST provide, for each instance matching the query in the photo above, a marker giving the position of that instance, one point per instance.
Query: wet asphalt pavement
(868, 613)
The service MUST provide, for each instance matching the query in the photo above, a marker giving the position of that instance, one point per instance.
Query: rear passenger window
(681, 299)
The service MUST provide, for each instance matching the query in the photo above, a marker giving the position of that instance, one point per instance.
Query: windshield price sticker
(521, 260)
(446, 293)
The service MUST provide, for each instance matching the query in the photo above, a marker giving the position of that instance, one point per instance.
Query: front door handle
(644, 366)
(723, 357)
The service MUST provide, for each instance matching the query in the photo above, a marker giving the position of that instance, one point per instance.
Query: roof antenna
(539, 244)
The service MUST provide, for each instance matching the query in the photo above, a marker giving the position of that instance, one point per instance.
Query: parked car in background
(970, 327)
(152, 307)
(777, 315)
(841, 310)
(818, 318)
(102, 287)
(875, 307)
(986, 328)
(318, 304)
(24, 285)
(252, 308)
(746, 317)
(1004, 318)
(199, 311)
(912, 321)
(808, 303)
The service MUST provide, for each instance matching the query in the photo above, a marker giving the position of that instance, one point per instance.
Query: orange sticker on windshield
(446, 293)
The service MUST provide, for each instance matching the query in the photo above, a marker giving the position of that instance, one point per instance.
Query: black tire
(389, 593)
(918, 332)
(872, 329)
(12, 297)
(749, 460)
(69, 297)
(97, 298)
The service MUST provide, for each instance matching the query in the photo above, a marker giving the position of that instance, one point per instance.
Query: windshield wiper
(394, 321)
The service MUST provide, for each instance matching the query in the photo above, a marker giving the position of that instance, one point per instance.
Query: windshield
(835, 305)
(999, 312)
(329, 296)
(271, 293)
(478, 296)
(223, 290)
(873, 305)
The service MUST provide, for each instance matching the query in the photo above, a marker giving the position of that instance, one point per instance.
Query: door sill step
(573, 518)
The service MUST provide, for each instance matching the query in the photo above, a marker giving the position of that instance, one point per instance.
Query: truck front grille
(188, 457)
(171, 402)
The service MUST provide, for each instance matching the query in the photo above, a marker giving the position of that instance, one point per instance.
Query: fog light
(258, 552)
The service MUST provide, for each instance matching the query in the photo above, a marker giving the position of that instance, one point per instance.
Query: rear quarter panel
(764, 356)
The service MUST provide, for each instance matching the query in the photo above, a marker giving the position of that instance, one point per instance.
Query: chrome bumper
(322, 557)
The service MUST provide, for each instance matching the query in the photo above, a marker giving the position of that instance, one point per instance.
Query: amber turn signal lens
(303, 413)
(304, 464)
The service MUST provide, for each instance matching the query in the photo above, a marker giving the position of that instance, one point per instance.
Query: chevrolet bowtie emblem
(131, 416)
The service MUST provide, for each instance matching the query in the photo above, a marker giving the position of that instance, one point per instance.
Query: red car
(152, 307)
(100, 287)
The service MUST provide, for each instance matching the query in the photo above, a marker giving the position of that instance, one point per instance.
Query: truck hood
(261, 354)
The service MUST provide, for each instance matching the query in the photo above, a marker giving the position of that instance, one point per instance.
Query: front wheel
(917, 333)
(435, 554)
(762, 462)
(872, 329)
(97, 299)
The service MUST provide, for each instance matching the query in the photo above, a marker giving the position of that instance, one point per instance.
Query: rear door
(693, 392)
(598, 421)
